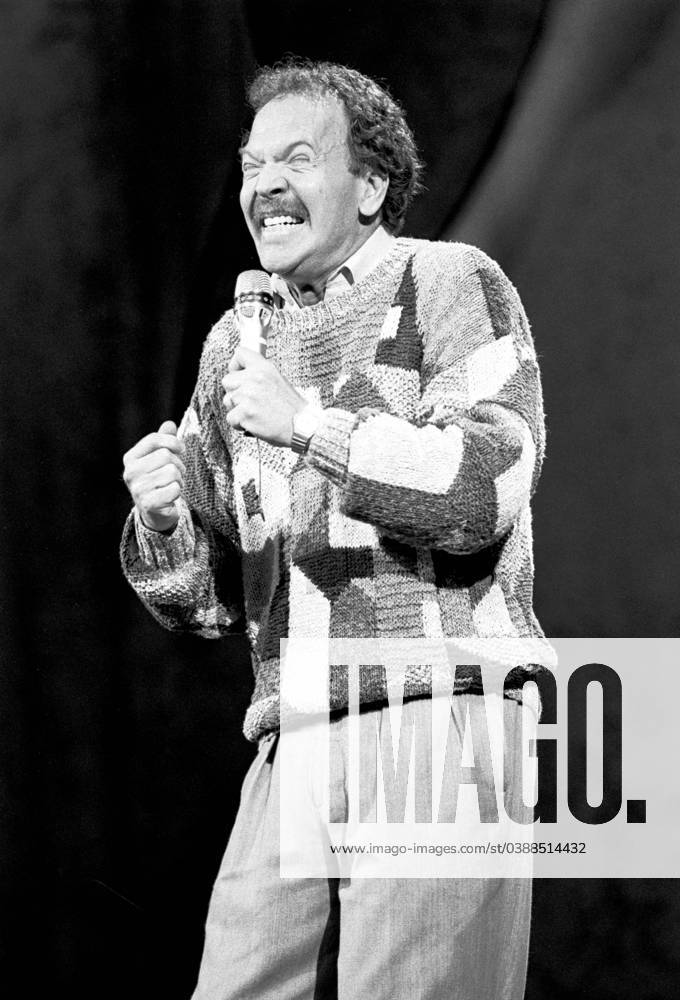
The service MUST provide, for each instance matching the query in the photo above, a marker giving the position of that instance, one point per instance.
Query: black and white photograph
(323, 326)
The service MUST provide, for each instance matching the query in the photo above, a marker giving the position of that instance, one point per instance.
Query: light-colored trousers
(269, 938)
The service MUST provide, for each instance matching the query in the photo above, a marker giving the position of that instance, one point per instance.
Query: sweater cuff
(166, 551)
(328, 451)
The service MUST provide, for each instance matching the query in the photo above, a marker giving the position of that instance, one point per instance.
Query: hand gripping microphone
(253, 308)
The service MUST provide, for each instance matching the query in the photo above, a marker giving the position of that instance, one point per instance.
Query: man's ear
(373, 193)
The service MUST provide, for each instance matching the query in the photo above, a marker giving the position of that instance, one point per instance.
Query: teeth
(281, 220)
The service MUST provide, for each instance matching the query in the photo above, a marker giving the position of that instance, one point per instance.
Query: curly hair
(379, 138)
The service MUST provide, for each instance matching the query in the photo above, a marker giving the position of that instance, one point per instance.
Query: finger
(159, 478)
(232, 399)
(168, 427)
(234, 379)
(236, 417)
(156, 460)
(243, 357)
(135, 472)
(152, 442)
(166, 511)
(155, 501)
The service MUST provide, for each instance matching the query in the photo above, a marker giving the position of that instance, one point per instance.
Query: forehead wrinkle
(331, 130)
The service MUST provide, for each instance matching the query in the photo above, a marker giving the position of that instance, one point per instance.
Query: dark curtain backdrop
(550, 129)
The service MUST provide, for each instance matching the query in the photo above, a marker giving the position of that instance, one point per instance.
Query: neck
(309, 292)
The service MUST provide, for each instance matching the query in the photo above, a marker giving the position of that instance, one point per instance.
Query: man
(393, 438)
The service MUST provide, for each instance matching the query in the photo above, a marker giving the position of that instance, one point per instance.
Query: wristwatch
(305, 423)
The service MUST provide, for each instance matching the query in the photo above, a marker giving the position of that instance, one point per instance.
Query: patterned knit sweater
(408, 517)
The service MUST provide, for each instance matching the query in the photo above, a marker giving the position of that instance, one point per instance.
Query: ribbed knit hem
(329, 447)
(264, 717)
(164, 551)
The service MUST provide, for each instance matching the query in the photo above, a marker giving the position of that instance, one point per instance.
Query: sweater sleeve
(458, 474)
(190, 579)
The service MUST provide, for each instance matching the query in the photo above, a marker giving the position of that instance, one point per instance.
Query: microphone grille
(248, 282)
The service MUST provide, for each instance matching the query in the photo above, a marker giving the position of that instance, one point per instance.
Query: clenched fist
(154, 474)
(259, 399)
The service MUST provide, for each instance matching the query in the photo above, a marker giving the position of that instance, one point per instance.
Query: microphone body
(253, 308)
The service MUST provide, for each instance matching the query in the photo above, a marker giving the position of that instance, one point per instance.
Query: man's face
(300, 201)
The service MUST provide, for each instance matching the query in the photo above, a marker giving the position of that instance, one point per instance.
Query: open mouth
(281, 221)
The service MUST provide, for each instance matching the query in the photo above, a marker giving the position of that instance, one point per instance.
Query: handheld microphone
(253, 308)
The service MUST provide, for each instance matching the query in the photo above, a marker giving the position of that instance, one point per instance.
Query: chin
(277, 263)
(269, 263)
(282, 254)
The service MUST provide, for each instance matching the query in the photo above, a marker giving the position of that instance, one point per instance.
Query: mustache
(263, 207)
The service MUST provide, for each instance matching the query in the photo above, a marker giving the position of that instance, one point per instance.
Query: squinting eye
(300, 160)
(249, 169)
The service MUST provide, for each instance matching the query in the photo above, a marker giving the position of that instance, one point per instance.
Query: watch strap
(304, 426)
